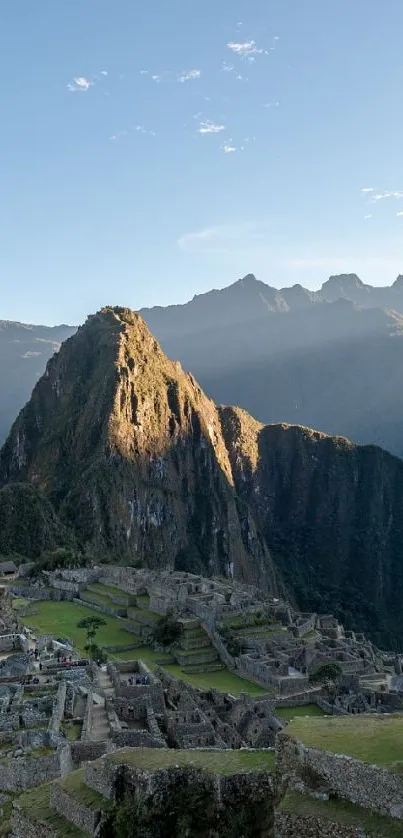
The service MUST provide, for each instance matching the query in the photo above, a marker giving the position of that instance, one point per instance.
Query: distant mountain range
(330, 359)
(24, 353)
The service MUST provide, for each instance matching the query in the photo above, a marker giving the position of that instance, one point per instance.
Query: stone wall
(87, 751)
(25, 827)
(294, 826)
(101, 776)
(136, 739)
(58, 711)
(82, 816)
(22, 773)
(87, 721)
(366, 785)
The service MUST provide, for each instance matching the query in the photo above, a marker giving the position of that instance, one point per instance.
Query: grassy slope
(221, 762)
(342, 812)
(289, 713)
(373, 739)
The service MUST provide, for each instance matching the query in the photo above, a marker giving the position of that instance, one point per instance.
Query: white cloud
(399, 214)
(158, 77)
(119, 136)
(228, 148)
(246, 49)
(141, 129)
(367, 189)
(366, 217)
(79, 84)
(143, 72)
(271, 105)
(209, 127)
(189, 75)
(227, 68)
(226, 238)
(104, 72)
(381, 196)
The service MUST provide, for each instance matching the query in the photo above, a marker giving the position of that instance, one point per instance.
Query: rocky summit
(135, 461)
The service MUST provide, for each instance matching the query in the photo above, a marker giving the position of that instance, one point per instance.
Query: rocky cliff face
(332, 516)
(131, 454)
(141, 466)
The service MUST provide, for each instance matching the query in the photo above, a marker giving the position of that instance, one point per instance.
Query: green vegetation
(72, 730)
(215, 761)
(36, 804)
(91, 625)
(371, 738)
(60, 619)
(326, 672)
(223, 680)
(342, 812)
(166, 631)
(289, 713)
(74, 785)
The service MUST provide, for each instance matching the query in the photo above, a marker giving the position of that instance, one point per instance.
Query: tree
(91, 626)
(326, 672)
(166, 631)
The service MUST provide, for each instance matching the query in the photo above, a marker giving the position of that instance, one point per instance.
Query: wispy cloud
(245, 49)
(382, 196)
(367, 189)
(227, 68)
(228, 148)
(399, 214)
(189, 75)
(226, 238)
(120, 135)
(79, 85)
(271, 105)
(209, 127)
(366, 217)
(141, 129)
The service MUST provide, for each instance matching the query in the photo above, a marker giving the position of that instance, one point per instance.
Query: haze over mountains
(24, 353)
(330, 359)
(120, 452)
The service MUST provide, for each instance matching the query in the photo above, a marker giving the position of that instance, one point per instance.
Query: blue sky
(154, 149)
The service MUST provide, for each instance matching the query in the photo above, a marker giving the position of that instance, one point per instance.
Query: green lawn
(342, 812)
(60, 619)
(373, 739)
(289, 713)
(144, 653)
(224, 681)
(219, 762)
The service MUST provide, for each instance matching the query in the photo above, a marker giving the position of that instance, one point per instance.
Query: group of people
(138, 679)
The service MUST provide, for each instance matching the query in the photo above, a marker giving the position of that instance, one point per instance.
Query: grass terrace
(289, 713)
(74, 785)
(375, 739)
(60, 619)
(36, 804)
(218, 762)
(342, 812)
